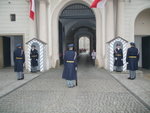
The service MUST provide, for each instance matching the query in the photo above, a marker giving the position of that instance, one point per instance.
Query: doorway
(8, 45)
(73, 25)
(6, 52)
(84, 45)
(146, 52)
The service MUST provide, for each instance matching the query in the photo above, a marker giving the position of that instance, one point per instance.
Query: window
(13, 17)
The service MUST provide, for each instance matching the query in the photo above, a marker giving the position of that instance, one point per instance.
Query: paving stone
(97, 92)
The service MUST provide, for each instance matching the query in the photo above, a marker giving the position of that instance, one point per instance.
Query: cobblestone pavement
(97, 92)
(139, 87)
(9, 82)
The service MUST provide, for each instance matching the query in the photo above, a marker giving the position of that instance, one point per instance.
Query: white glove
(76, 68)
(23, 65)
(115, 58)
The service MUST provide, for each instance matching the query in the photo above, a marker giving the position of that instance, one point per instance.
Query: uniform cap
(18, 45)
(70, 45)
(132, 44)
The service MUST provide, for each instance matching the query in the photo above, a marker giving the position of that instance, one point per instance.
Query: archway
(74, 25)
(54, 32)
(142, 37)
(84, 45)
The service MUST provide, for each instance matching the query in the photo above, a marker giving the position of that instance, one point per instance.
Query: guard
(70, 67)
(93, 55)
(132, 61)
(34, 59)
(118, 56)
(19, 59)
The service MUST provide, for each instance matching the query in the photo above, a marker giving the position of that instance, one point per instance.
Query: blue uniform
(132, 59)
(34, 57)
(19, 60)
(70, 64)
(118, 55)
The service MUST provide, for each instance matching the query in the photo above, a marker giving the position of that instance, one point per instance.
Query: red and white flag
(32, 9)
(98, 4)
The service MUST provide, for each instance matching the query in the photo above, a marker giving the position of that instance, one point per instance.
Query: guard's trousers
(132, 74)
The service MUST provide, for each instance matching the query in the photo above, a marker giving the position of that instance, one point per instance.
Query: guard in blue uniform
(34, 59)
(118, 56)
(19, 59)
(132, 61)
(70, 66)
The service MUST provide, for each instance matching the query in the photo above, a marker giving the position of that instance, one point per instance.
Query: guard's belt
(19, 58)
(132, 57)
(70, 61)
(118, 55)
(34, 56)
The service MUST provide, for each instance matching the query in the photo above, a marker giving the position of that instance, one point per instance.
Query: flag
(98, 4)
(32, 9)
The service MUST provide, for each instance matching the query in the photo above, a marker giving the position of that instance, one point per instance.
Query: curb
(16, 85)
(136, 96)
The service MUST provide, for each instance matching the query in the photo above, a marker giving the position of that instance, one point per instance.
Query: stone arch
(55, 33)
(88, 44)
(77, 25)
(88, 34)
(133, 19)
(141, 36)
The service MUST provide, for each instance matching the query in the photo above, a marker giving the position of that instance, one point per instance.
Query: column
(120, 19)
(110, 27)
(110, 21)
(99, 40)
(104, 51)
(43, 21)
(32, 26)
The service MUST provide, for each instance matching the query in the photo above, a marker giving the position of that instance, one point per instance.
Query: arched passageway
(75, 21)
(84, 45)
(142, 37)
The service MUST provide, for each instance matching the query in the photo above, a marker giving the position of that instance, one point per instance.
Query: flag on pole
(98, 4)
(32, 9)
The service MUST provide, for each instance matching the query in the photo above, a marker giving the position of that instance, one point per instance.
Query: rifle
(77, 78)
(76, 68)
(76, 82)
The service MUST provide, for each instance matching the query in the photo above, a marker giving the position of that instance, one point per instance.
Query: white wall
(84, 43)
(18, 7)
(132, 9)
(142, 23)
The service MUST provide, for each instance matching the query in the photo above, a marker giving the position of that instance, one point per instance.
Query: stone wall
(18, 7)
(132, 9)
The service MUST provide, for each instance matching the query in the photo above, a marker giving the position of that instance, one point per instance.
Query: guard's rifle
(76, 80)
(76, 69)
